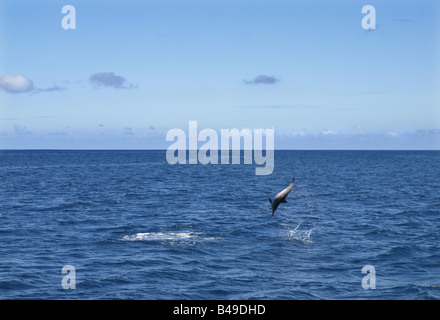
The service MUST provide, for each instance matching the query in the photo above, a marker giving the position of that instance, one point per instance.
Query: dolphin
(281, 197)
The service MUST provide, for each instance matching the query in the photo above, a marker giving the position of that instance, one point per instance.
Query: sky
(132, 70)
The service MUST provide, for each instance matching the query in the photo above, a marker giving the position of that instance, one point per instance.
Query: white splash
(300, 235)
(164, 236)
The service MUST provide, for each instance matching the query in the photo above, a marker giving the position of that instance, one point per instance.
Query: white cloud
(327, 132)
(16, 84)
(358, 130)
(262, 79)
(50, 89)
(109, 79)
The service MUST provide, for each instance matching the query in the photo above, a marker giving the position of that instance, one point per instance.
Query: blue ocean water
(135, 227)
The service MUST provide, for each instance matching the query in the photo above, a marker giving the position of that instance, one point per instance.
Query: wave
(164, 236)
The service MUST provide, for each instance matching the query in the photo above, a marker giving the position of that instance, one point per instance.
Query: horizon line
(120, 149)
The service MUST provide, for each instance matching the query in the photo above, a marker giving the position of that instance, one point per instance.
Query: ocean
(128, 225)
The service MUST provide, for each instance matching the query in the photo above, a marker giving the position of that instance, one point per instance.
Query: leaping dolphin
(281, 197)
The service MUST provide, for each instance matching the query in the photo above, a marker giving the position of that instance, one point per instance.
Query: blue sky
(132, 70)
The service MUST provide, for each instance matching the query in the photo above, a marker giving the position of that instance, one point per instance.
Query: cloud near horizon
(22, 137)
(21, 130)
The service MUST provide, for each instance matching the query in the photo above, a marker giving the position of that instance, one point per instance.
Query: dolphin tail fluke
(270, 200)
